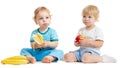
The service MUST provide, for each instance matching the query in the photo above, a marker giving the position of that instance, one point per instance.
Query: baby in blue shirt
(46, 51)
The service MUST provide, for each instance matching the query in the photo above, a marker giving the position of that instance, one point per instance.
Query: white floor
(62, 64)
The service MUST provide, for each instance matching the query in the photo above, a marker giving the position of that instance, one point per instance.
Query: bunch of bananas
(15, 60)
(38, 38)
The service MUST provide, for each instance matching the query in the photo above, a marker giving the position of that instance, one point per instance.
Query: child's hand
(78, 40)
(76, 43)
(79, 37)
(84, 42)
(44, 44)
(34, 45)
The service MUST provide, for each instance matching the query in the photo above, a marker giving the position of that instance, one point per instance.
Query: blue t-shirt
(49, 35)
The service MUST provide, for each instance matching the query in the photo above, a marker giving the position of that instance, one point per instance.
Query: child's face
(43, 19)
(88, 20)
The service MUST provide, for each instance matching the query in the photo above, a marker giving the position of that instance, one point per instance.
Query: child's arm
(50, 44)
(92, 43)
(35, 45)
(96, 43)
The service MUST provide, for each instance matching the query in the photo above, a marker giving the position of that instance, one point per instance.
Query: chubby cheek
(39, 21)
(82, 20)
(49, 22)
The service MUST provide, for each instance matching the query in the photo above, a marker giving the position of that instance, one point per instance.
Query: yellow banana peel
(15, 60)
(38, 38)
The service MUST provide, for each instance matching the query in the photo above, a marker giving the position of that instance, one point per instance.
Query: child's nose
(86, 18)
(44, 19)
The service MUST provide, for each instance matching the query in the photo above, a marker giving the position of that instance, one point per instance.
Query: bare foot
(48, 59)
(31, 59)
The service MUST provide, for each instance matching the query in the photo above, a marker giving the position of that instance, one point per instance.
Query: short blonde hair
(39, 9)
(91, 10)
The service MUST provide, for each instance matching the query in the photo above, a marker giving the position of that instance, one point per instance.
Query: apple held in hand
(79, 37)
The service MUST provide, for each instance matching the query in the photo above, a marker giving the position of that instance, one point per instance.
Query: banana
(38, 38)
(17, 57)
(15, 60)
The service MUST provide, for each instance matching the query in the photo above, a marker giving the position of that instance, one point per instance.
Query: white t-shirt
(93, 34)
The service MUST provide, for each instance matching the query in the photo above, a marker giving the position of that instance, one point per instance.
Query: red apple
(78, 38)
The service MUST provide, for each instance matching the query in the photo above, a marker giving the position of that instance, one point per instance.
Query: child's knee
(60, 54)
(23, 51)
(66, 56)
(85, 58)
(70, 57)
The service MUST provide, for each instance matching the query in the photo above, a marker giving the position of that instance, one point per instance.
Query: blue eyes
(84, 16)
(47, 17)
(87, 16)
(41, 18)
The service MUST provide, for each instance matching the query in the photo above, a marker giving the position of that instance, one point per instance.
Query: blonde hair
(91, 10)
(39, 9)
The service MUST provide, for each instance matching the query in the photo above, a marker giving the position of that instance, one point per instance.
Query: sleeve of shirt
(34, 32)
(54, 36)
(99, 34)
(31, 39)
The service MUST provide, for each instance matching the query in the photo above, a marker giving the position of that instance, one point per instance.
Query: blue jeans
(80, 52)
(40, 54)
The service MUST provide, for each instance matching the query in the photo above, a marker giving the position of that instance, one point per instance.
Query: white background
(16, 24)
